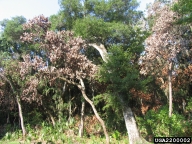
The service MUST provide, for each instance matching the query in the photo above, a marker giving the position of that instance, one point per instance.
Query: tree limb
(68, 81)
(102, 50)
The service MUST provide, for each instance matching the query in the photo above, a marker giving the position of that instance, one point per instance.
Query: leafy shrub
(116, 135)
(33, 118)
(159, 124)
(189, 106)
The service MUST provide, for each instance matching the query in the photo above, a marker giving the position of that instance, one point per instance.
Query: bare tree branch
(102, 50)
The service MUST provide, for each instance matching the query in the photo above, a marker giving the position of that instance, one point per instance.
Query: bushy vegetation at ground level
(153, 124)
(64, 132)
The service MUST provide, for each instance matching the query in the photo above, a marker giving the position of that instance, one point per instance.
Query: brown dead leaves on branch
(147, 101)
(30, 93)
(165, 44)
(184, 77)
(67, 60)
(62, 49)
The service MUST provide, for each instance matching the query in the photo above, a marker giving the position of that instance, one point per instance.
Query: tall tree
(11, 46)
(183, 80)
(67, 63)
(122, 75)
(163, 48)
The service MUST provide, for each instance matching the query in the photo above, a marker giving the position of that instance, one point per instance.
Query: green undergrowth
(159, 124)
(61, 133)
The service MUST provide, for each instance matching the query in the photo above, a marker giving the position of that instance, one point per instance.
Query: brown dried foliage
(64, 51)
(184, 77)
(165, 43)
(92, 126)
(147, 100)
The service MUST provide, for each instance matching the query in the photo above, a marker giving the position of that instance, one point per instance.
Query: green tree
(123, 11)
(10, 48)
(121, 72)
(183, 8)
(10, 37)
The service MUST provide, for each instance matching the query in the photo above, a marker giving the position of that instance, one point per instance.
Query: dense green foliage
(120, 72)
(183, 7)
(158, 123)
(12, 30)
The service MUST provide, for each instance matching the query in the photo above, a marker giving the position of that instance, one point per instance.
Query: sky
(143, 4)
(27, 8)
(32, 8)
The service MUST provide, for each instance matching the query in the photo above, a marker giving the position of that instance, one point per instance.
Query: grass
(9, 142)
(60, 134)
(69, 140)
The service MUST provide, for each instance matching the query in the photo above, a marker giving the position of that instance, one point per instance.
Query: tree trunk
(8, 120)
(170, 89)
(82, 88)
(81, 127)
(52, 118)
(21, 116)
(131, 126)
(102, 50)
(18, 103)
(70, 111)
(130, 123)
(49, 113)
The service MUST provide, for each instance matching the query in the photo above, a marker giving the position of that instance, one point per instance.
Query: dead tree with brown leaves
(64, 52)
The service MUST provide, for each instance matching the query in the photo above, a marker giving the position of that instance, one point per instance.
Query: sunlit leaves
(92, 28)
(183, 8)
(12, 29)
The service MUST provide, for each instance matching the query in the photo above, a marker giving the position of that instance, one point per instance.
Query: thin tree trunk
(49, 113)
(21, 116)
(81, 127)
(52, 118)
(82, 88)
(70, 111)
(18, 103)
(170, 89)
(8, 120)
(64, 88)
